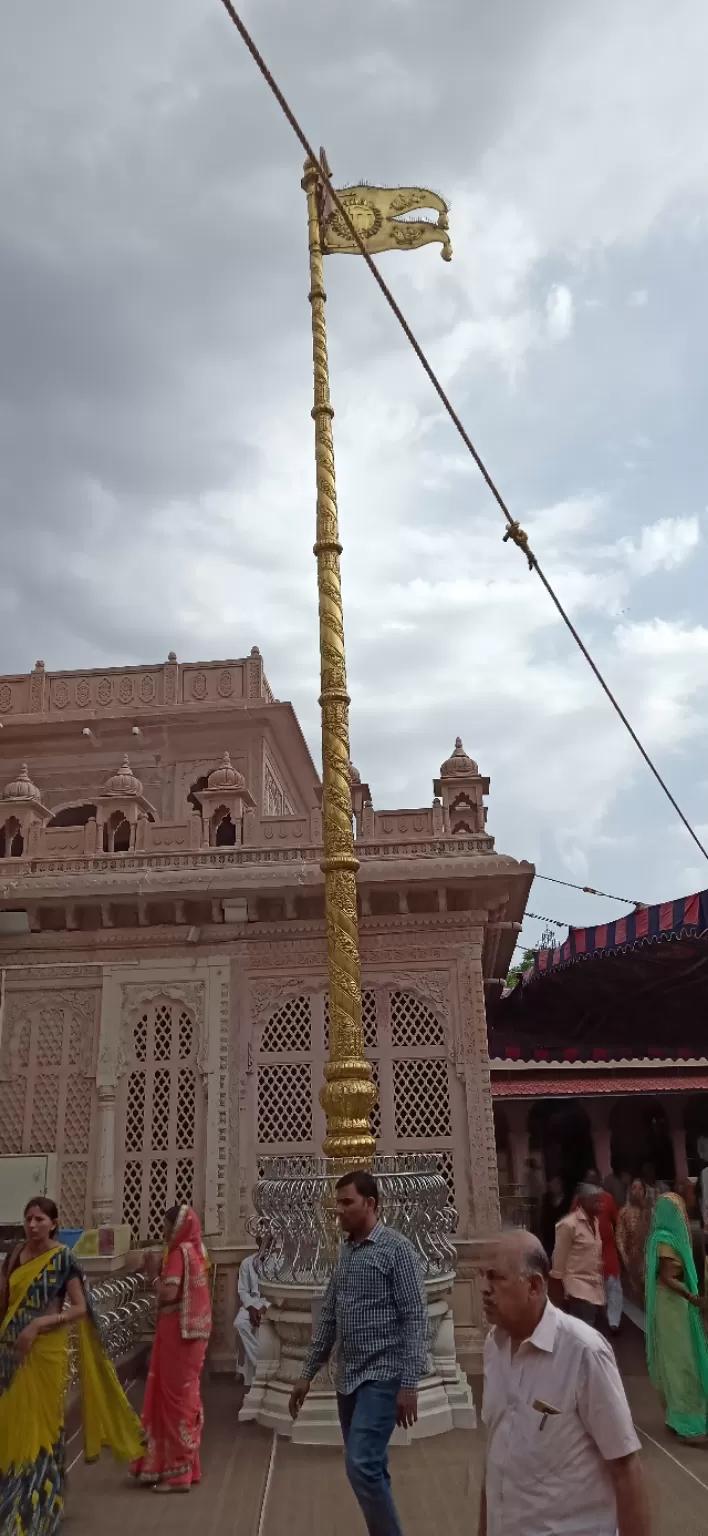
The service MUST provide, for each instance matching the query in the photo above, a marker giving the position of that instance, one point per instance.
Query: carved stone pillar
(484, 1177)
(216, 1077)
(103, 1196)
(250, 828)
(518, 1118)
(674, 1115)
(599, 1112)
(104, 1185)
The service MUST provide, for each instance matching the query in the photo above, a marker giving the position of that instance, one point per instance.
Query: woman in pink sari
(172, 1411)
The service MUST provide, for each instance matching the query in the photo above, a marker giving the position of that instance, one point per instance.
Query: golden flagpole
(348, 1095)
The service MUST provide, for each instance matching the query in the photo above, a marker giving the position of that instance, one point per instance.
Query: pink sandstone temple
(163, 958)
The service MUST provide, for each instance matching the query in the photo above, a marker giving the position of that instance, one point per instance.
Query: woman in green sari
(677, 1350)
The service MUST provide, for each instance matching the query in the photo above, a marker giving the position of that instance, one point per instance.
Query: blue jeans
(368, 1419)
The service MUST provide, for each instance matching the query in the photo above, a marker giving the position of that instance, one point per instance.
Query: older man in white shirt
(562, 1451)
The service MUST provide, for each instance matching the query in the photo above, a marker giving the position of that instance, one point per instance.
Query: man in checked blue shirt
(375, 1314)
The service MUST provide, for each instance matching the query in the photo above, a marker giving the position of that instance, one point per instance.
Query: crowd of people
(631, 1238)
(563, 1455)
(595, 1241)
(374, 1315)
(43, 1298)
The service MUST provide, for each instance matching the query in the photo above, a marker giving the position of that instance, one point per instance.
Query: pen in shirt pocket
(545, 1409)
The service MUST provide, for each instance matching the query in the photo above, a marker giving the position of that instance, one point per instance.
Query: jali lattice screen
(47, 1095)
(418, 1108)
(161, 1115)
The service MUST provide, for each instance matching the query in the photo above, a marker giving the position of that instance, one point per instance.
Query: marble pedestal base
(444, 1398)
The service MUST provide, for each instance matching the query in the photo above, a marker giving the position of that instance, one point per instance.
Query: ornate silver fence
(296, 1224)
(124, 1309)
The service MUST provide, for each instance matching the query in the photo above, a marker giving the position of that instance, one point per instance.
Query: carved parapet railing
(207, 860)
(295, 1202)
(124, 1311)
(398, 825)
(133, 691)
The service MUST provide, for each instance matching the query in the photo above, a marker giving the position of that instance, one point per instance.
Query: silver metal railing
(295, 1223)
(123, 1307)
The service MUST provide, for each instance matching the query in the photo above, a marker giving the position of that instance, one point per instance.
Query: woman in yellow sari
(41, 1291)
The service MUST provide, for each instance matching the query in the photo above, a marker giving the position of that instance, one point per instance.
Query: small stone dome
(226, 777)
(459, 765)
(123, 782)
(22, 787)
(354, 774)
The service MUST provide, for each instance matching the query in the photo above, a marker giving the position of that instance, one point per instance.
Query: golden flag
(375, 213)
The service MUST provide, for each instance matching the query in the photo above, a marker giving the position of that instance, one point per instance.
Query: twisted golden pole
(348, 1095)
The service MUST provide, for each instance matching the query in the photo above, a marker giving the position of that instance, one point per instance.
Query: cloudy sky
(156, 464)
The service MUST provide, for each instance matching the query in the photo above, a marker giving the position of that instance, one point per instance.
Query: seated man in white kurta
(250, 1314)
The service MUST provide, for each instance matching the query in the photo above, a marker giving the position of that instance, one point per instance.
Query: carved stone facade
(162, 944)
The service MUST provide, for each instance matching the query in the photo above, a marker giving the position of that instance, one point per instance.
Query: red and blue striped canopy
(647, 925)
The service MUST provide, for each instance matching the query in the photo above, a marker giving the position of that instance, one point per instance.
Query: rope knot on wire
(517, 535)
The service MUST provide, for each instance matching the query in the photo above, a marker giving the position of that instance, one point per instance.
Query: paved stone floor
(252, 1488)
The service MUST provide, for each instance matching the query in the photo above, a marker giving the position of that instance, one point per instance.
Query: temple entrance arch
(560, 1140)
(641, 1138)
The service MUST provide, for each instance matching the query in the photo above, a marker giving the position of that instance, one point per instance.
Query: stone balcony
(411, 833)
(172, 876)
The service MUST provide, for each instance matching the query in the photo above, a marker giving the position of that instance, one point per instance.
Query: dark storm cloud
(152, 254)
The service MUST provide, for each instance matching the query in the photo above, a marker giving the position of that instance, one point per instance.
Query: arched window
(12, 843)
(72, 816)
(421, 1103)
(116, 834)
(196, 789)
(223, 829)
(464, 815)
(161, 1113)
